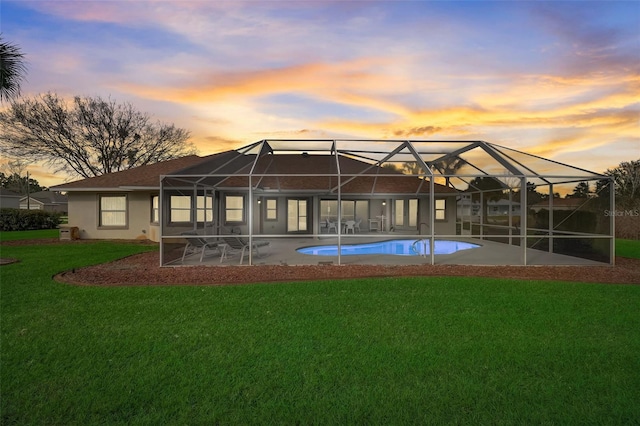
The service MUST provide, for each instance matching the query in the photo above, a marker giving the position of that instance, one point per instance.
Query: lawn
(628, 248)
(376, 351)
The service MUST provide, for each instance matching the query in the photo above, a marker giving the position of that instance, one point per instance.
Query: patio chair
(331, 225)
(357, 225)
(240, 244)
(197, 244)
(350, 225)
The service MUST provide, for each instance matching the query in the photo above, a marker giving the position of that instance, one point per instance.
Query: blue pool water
(395, 247)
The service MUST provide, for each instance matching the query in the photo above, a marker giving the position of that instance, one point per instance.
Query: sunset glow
(555, 79)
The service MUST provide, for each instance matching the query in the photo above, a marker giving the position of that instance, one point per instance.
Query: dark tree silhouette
(12, 70)
(91, 137)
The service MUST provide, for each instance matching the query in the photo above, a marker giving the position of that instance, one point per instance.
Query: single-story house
(305, 188)
(298, 194)
(51, 201)
(295, 194)
(9, 199)
(501, 207)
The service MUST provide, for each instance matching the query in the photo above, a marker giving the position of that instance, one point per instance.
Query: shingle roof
(48, 197)
(285, 171)
(6, 193)
(147, 176)
(228, 163)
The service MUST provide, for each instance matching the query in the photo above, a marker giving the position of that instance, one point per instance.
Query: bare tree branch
(88, 137)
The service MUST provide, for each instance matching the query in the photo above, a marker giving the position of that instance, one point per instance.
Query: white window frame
(301, 215)
(228, 209)
(204, 208)
(102, 211)
(271, 209)
(440, 213)
(175, 211)
(155, 209)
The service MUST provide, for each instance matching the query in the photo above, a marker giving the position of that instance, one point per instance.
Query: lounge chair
(240, 244)
(197, 244)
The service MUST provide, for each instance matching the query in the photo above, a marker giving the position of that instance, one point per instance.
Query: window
(180, 208)
(113, 210)
(204, 208)
(351, 209)
(296, 215)
(234, 208)
(155, 211)
(271, 209)
(440, 210)
(413, 212)
(406, 213)
(399, 214)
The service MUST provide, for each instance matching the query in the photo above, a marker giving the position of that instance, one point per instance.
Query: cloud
(418, 131)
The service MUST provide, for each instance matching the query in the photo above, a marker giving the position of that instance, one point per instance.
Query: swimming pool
(394, 247)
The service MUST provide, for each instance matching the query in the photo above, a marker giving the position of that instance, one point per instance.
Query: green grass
(28, 235)
(378, 351)
(628, 248)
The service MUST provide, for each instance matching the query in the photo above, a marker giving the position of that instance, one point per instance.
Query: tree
(18, 184)
(580, 191)
(449, 166)
(16, 178)
(12, 70)
(390, 166)
(626, 179)
(533, 196)
(90, 137)
(413, 168)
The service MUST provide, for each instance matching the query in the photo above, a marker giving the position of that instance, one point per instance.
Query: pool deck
(282, 251)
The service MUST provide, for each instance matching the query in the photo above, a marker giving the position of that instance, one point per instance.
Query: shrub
(22, 220)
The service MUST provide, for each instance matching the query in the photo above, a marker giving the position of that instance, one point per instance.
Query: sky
(558, 79)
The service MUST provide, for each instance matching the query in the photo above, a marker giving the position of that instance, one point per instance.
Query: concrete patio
(283, 251)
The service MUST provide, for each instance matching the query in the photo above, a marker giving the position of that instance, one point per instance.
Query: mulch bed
(144, 270)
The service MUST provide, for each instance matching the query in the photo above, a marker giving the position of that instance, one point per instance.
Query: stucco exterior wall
(442, 227)
(83, 213)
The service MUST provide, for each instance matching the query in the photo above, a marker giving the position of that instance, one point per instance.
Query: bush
(22, 220)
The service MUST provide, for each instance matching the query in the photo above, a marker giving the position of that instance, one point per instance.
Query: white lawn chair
(331, 225)
(350, 225)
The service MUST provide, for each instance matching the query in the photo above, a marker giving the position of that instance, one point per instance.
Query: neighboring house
(9, 199)
(51, 201)
(467, 207)
(120, 205)
(126, 204)
(562, 204)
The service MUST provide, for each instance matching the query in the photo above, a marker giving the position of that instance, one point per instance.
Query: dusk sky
(557, 79)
